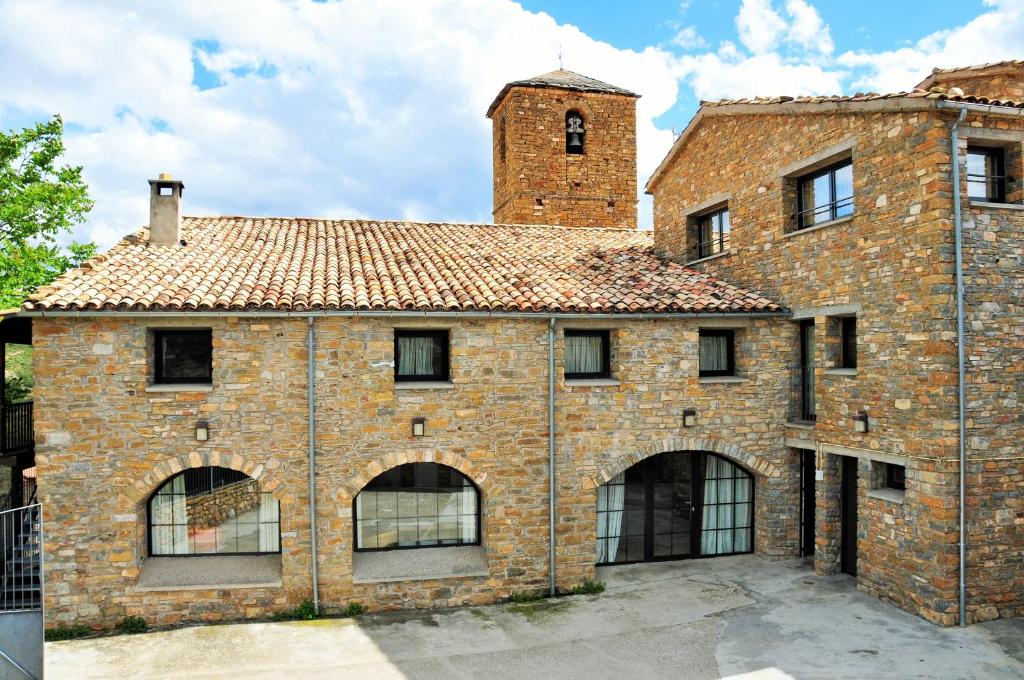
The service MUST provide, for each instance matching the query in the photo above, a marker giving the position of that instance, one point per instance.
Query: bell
(575, 144)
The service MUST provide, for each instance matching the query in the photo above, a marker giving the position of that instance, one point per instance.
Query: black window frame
(606, 354)
(833, 206)
(442, 372)
(459, 543)
(705, 248)
(159, 375)
(847, 342)
(998, 154)
(895, 476)
(730, 336)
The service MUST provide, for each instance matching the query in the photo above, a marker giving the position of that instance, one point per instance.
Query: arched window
(574, 132)
(417, 505)
(213, 511)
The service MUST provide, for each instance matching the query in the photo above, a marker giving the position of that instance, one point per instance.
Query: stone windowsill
(988, 205)
(824, 225)
(210, 572)
(180, 387)
(800, 424)
(886, 494)
(425, 385)
(591, 382)
(420, 564)
(724, 253)
(722, 379)
(841, 371)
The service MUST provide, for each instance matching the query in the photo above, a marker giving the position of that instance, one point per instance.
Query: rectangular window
(183, 356)
(717, 352)
(421, 356)
(587, 354)
(712, 233)
(848, 342)
(986, 174)
(895, 476)
(825, 195)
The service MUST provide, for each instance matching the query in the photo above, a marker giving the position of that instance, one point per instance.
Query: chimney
(165, 210)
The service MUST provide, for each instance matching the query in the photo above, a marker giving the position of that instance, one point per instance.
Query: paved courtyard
(736, 617)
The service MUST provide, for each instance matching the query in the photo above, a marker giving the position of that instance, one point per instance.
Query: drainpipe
(311, 420)
(551, 451)
(961, 363)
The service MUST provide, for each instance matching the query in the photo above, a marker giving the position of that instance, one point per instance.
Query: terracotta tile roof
(243, 263)
(562, 80)
(865, 97)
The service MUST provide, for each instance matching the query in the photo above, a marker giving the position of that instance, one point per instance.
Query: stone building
(234, 414)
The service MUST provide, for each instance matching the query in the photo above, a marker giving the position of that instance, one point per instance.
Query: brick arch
(368, 471)
(750, 462)
(144, 487)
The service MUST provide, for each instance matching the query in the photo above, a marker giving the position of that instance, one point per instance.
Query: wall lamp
(202, 431)
(419, 427)
(689, 417)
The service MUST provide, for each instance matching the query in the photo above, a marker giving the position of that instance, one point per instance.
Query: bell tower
(564, 152)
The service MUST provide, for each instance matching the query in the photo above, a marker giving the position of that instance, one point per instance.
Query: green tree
(38, 202)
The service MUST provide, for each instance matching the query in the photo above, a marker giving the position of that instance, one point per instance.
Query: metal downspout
(551, 452)
(311, 418)
(961, 363)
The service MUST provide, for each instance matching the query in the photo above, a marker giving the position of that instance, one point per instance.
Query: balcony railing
(718, 244)
(801, 402)
(16, 427)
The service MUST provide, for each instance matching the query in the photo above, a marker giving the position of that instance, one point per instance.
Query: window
(421, 355)
(587, 354)
(417, 505)
(986, 174)
(713, 233)
(213, 511)
(717, 352)
(183, 356)
(825, 195)
(895, 476)
(574, 132)
(848, 342)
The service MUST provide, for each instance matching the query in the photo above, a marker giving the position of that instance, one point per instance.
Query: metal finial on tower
(559, 56)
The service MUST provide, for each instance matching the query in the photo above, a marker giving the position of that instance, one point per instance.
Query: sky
(375, 108)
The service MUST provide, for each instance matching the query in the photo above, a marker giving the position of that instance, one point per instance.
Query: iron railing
(21, 559)
(986, 187)
(805, 219)
(719, 243)
(16, 427)
(802, 407)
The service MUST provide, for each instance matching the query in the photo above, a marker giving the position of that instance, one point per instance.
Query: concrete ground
(736, 617)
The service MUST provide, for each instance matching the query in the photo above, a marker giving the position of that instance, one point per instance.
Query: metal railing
(804, 219)
(802, 402)
(16, 427)
(717, 244)
(985, 187)
(21, 559)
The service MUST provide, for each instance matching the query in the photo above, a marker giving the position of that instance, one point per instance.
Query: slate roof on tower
(562, 80)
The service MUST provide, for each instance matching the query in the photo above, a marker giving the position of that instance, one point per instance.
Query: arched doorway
(675, 505)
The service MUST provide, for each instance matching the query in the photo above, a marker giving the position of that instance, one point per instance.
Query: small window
(986, 174)
(895, 476)
(574, 132)
(587, 354)
(713, 233)
(848, 342)
(183, 357)
(421, 355)
(825, 195)
(717, 352)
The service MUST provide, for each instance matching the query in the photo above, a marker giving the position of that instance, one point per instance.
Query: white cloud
(807, 29)
(727, 76)
(759, 26)
(689, 39)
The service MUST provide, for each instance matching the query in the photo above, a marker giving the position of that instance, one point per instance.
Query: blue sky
(374, 108)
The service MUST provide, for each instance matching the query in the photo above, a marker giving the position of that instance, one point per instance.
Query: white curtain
(743, 519)
(714, 353)
(269, 519)
(609, 526)
(709, 515)
(169, 521)
(467, 514)
(583, 354)
(416, 355)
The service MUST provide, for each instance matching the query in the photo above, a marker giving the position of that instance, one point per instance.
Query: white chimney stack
(165, 210)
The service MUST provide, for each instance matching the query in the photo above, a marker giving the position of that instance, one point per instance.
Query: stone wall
(211, 509)
(537, 182)
(892, 262)
(997, 82)
(104, 437)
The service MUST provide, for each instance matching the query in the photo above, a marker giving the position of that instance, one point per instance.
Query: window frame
(149, 519)
(606, 354)
(894, 480)
(833, 210)
(730, 335)
(459, 544)
(706, 248)
(575, 113)
(997, 153)
(442, 337)
(848, 342)
(159, 376)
